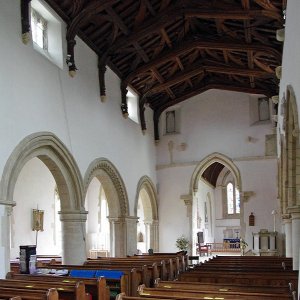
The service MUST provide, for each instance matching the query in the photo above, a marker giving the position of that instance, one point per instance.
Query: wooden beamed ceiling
(170, 50)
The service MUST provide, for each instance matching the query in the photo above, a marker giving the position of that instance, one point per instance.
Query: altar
(231, 243)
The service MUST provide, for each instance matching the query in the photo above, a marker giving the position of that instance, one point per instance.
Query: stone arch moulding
(55, 155)
(292, 104)
(146, 183)
(109, 176)
(206, 162)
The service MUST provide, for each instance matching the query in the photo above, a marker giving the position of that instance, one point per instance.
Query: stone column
(6, 209)
(154, 237)
(287, 223)
(148, 234)
(117, 234)
(73, 236)
(188, 201)
(131, 235)
(295, 213)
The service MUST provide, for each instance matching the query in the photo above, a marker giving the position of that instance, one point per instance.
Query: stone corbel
(246, 195)
(70, 57)
(101, 72)
(25, 19)
(188, 201)
(124, 107)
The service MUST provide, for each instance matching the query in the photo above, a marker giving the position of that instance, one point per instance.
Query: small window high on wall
(39, 30)
(46, 32)
(132, 103)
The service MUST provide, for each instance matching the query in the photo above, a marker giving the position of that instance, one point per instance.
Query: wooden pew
(180, 293)
(27, 294)
(249, 278)
(96, 287)
(182, 285)
(133, 276)
(66, 291)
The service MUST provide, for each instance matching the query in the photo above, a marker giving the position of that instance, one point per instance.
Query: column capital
(293, 209)
(286, 218)
(73, 215)
(7, 203)
(188, 199)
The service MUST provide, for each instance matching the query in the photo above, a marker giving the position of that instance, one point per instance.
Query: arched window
(233, 199)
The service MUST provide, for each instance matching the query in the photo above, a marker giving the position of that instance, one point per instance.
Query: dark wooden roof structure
(170, 50)
(212, 173)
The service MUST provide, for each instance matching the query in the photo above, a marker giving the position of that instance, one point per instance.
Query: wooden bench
(285, 290)
(66, 291)
(28, 294)
(96, 287)
(175, 293)
(249, 278)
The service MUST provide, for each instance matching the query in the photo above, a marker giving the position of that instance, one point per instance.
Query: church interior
(133, 127)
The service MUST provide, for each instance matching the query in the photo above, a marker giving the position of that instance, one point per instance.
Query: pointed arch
(113, 185)
(209, 160)
(55, 155)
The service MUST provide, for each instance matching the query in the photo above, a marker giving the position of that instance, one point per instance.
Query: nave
(158, 276)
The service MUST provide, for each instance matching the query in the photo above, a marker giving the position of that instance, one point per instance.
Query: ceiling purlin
(159, 21)
(201, 68)
(190, 45)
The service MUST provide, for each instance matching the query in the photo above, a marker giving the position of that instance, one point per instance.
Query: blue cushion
(110, 274)
(83, 273)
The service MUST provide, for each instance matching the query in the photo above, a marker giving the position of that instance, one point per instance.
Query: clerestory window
(39, 30)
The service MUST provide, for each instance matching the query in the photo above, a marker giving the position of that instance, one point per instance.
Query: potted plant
(182, 243)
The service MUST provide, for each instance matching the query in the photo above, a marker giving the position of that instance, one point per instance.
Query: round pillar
(295, 213)
(287, 223)
(73, 236)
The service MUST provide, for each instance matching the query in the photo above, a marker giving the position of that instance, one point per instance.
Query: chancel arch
(208, 188)
(54, 155)
(146, 209)
(110, 180)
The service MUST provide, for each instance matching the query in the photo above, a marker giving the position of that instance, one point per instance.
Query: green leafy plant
(182, 243)
(243, 245)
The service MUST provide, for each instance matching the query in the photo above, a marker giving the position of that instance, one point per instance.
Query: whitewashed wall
(38, 96)
(216, 121)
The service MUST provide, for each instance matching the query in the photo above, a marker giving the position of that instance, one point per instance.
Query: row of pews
(99, 279)
(158, 277)
(228, 277)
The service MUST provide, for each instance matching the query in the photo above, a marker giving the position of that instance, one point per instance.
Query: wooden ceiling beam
(187, 46)
(195, 70)
(168, 15)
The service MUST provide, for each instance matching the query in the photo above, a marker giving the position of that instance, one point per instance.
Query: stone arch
(195, 179)
(146, 189)
(60, 162)
(146, 184)
(117, 199)
(209, 160)
(54, 154)
(291, 171)
(113, 185)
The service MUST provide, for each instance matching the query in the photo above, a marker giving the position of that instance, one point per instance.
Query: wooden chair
(203, 249)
